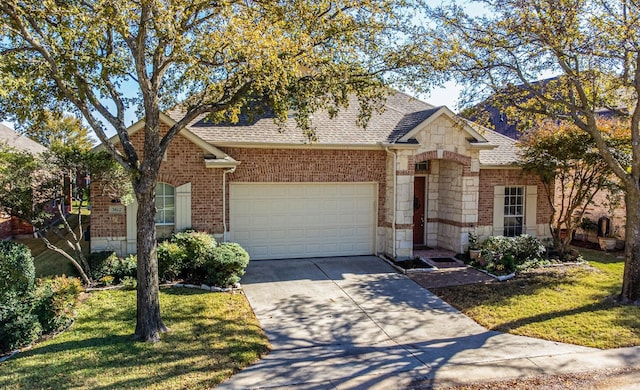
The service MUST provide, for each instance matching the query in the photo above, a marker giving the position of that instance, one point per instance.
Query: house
(598, 209)
(11, 226)
(416, 176)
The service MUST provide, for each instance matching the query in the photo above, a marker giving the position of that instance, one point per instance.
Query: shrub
(129, 283)
(171, 259)
(196, 247)
(521, 248)
(18, 325)
(226, 264)
(103, 264)
(17, 271)
(128, 267)
(55, 302)
(507, 254)
(107, 263)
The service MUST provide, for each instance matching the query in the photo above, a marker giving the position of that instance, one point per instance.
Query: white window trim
(530, 210)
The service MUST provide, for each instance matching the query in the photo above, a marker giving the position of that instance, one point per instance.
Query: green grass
(574, 305)
(50, 263)
(213, 335)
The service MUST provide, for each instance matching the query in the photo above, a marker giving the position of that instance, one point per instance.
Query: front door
(418, 210)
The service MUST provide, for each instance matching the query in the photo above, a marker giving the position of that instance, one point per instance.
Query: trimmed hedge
(226, 264)
(196, 256)
(196, 246)
(171, 260)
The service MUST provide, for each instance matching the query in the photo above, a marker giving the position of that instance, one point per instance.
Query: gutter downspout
(225, 232)
(395, 206)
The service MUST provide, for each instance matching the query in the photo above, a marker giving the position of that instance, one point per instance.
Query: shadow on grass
(211, 337)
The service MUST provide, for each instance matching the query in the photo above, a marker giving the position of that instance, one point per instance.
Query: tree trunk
(631, 279)
(149, 324)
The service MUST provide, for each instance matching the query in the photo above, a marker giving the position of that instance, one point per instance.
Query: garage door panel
(288, 220)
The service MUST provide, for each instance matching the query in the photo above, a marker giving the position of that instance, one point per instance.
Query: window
(165, 210)
(422, 166)
(513, 211)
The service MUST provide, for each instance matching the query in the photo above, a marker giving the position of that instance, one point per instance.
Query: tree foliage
(56, 130)
(217, 59)
(561, 59)
(32, 188)
(571, 169)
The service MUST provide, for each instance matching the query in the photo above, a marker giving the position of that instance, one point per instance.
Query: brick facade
(184, 164)
(311, 166)
(490, 178)
(460, 194)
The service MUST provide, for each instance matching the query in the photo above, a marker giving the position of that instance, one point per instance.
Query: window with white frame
(513, 211)
(165, 209)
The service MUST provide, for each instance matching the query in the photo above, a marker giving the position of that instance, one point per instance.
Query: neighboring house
(11, 226)
(417, 176)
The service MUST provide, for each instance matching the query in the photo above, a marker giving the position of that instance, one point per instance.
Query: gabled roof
(400, 120)
(505, 153)
(400, 114)
(18, 141)
(434, 114)
(215, 157)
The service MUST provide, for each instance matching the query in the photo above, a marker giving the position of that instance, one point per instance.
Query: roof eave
(482, 146)
(220, 163)
(499, 166)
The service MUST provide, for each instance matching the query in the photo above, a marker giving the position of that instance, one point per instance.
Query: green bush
(521, 248)
(128, 267)
(503, 255)
(17, 271)
(196, 246)
(129, 283)
(55, 302)
(103, 264)
(19, 326)
(171, 259)
(107, 263)
(226, 264)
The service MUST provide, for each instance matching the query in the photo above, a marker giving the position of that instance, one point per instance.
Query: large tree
(591, 47)
(213, 57)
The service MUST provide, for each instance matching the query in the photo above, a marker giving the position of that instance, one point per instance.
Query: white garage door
(278, 221)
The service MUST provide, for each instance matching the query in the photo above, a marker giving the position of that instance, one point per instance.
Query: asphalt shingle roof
(18, 141)
(401, 114)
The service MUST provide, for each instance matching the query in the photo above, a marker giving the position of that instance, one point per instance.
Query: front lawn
(213, 335)
(572, 305)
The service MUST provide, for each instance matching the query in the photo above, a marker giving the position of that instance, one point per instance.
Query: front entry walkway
(352, 322)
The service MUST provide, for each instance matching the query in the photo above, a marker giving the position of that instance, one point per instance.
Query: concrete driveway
(353, 322)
